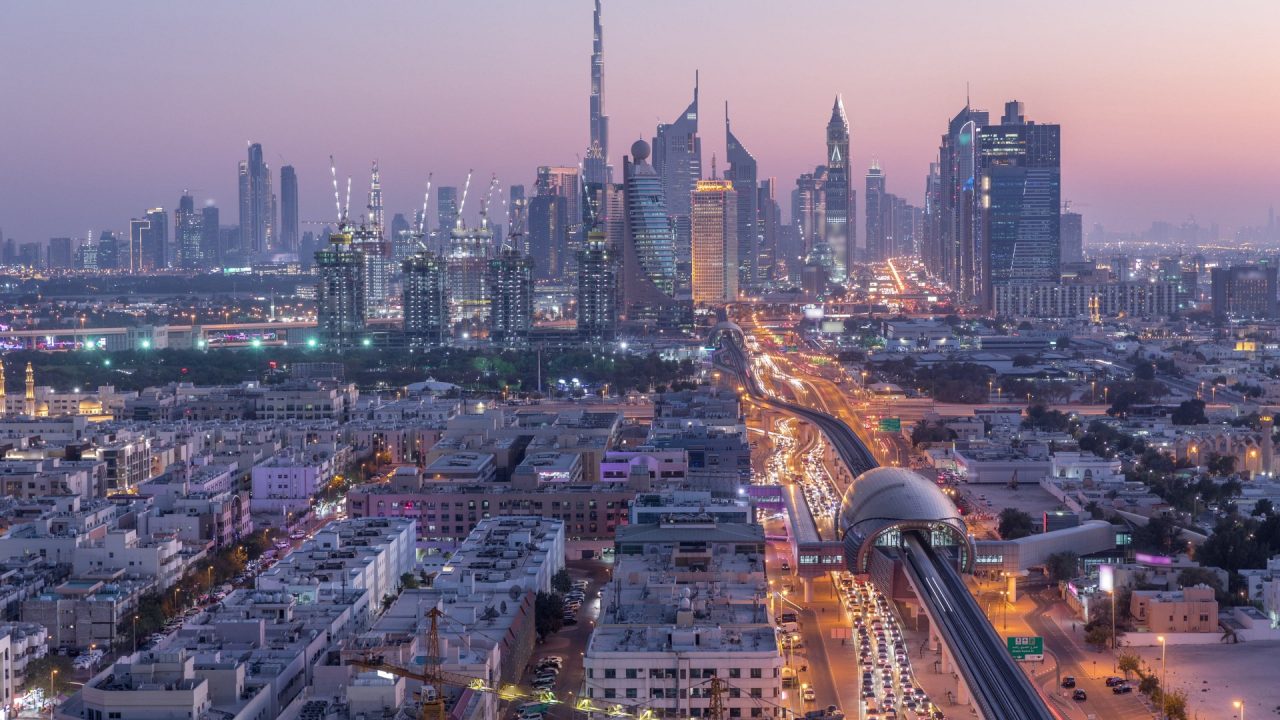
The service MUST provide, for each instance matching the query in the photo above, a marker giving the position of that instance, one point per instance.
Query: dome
(885, 499)
(639, 151)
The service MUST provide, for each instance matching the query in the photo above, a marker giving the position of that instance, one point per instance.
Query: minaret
(29, 400)
(595, 168)
(3, 398)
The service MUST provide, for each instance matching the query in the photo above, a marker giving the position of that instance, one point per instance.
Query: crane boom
(346, 209)
(426, 199)
(465, 189)
(337, 200)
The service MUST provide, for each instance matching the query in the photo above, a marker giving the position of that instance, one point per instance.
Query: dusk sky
(1169, 110)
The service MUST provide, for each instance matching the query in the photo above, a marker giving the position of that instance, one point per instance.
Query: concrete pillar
(962, 692)
(808, 589)
(1011, 582)
(1268, 449)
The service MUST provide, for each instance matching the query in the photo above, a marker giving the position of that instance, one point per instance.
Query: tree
(1263, 507)
(409, 581)
(1129, 663)
(925, 432)
(1014, 524)
(1160, 534)
(548, 613)
(1192, 576)
(1097, 635)
(1190, 412)
(1062, 566)
(561, 582)
(1221, 465)
(1144, 370)
(40, 670)
(1175, 704)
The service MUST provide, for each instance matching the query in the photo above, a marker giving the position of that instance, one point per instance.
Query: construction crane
(465, 189)
(422, 219)
(488, 198)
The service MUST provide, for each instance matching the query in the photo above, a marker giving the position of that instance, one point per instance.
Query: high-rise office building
(31, 255)
(59, 253)
(404, 243)
(840, 214)
(374, 247)
(446, 217)
(648, 247)
(677, 159)
(1020, 181)
(510, 298)
(340, 300)
(597, 290)
(715, 242)
(595, 167)
(809, 208)
(547, 238)
(86, 257)
(1071, 228)
(108, 251)
(148, 237)
(210, 248)
(876, 249)
(256, 204)
(289, 236)
(931, 233)
(743, 173)
(188, 228)
(959, 218)
(426, 303)
(565, 183)
(768, 229)
(1243, 292)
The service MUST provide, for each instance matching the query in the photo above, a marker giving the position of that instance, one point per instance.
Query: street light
(1239, 705)
(1164, 689)
(52, 675)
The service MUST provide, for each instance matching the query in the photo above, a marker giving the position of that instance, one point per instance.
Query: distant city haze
(1169, 110)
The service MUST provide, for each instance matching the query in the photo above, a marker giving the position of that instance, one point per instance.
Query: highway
(999, 687)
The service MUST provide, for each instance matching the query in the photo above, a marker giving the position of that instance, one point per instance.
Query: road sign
(1026, 648)
(891, 425)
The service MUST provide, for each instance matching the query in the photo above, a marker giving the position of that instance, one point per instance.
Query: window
(632, 673)
(610, 693)
(735, 712)
(756, 673)
(735, 673)
(631, 693)
(757, 693)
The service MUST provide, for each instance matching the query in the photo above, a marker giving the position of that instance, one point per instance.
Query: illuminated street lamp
(1239, 705)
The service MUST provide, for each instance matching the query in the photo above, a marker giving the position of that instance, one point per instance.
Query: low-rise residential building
(1189, 610)
(287, 483)
(20, 643)
(686, 604)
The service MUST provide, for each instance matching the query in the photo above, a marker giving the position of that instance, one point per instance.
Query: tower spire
(29, 400)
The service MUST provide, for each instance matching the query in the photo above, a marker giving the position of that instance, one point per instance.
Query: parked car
(1122, 689)
(1114, 681)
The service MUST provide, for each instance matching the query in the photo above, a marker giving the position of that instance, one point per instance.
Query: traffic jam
(888, 688)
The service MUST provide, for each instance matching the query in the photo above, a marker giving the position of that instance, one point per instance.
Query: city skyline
(83, 171)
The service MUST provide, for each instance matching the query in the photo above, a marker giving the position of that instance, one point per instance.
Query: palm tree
(1229, 635)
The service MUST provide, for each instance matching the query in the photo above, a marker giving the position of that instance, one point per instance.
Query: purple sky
(1169, 109)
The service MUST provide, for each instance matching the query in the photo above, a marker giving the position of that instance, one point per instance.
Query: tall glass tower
(648, 248)
(677, 159)
(743, 173)
(595, 168)
(838, 230)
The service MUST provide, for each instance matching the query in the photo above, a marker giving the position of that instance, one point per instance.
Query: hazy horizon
(1167, 110)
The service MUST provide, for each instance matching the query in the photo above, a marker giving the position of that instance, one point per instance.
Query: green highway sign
(890, 424)
(1026, 648)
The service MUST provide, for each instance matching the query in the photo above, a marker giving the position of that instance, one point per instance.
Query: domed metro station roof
(884, 501)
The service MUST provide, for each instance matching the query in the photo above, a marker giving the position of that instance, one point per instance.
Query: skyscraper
(375, 249)
(404, 243)
(467, 275)
(108, 251)
(1020, 181)
(59, 253)
(648, 248)
(446, 217)
(288, 210)
(838, 227)
(148, 237)
(510, 298)
(597, 290)
(742, 173)
(595, 168)
(931, 251)
(564, 182)
(546, 238)
(809, 209)
(1071, 228)
(426, 303)
(958, 216)
(210, 248)
(677, 159)
(188, 230)
(768, 229)
(715, 242)
(256, 204)
(875, 222)
(340, 301)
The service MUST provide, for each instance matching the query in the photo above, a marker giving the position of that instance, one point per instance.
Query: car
(570, 620)
(1068, 682)
(786, 566)
(1114, 681)
(808, 694)
(1122, 689)
(1079, 695)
